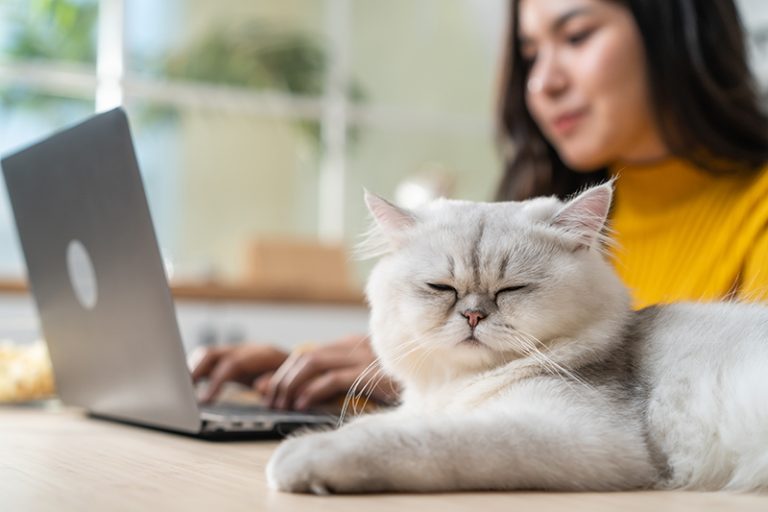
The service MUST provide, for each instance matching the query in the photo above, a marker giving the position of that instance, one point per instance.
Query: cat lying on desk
(524, 366)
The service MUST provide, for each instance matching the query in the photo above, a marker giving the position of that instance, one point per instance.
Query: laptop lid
(97, 277)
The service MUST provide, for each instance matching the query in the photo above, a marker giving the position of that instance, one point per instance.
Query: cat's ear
(392, 219)
(391, 223)
(585, 215)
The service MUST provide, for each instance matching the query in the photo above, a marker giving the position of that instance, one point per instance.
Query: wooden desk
(59, 460)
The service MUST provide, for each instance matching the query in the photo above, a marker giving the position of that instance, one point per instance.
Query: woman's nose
(547, 76)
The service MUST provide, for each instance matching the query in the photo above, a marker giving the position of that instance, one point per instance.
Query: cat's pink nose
(473, 316)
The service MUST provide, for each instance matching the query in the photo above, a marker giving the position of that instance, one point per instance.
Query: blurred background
(257, 124)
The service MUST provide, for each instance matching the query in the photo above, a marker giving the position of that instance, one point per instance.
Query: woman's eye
(510, 289)
(527, 51)
(528, 56)
(528, 62)
(578, 37)
(442, 287)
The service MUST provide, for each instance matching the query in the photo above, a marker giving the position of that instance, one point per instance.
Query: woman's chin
(582, 161)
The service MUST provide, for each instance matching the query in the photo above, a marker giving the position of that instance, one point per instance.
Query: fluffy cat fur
(524, 367)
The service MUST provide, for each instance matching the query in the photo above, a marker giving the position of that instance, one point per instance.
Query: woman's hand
(309, 377)
(299, 380)
(239, 363)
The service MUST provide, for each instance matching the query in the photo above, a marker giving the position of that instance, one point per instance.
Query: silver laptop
(99, 283)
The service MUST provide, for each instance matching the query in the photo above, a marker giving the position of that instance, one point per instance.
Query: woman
(656, 93)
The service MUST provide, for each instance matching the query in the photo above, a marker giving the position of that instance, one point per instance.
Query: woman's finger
(301, 369)
(326, 386)
(227, 369)
(261, 383)
(203, 361)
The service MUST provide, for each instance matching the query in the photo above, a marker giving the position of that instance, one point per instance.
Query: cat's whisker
(368, 389)
(374, 380)
(377, 377)
(364, 339)
(370, 381)
(381, 374)
(537, 356)
(561, 369)
(527, 345)
(554, 363)
(352, 391)
(529, 351)
(551, 367)
(413, 344)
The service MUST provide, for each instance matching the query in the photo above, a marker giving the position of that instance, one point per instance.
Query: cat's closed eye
(442, 287)
(510, 289)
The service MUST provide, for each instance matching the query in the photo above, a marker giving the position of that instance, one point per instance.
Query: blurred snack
(25, 372)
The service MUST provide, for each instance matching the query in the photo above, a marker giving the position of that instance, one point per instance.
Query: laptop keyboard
(233, 408)
(245, 410)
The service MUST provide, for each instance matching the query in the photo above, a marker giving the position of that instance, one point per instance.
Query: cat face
(464, 287)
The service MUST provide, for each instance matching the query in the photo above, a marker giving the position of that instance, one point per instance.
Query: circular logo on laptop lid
(81, 274)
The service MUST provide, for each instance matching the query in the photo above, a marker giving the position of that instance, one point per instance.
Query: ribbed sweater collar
(659, 186)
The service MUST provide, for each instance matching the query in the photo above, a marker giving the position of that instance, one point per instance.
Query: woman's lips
(566, 123)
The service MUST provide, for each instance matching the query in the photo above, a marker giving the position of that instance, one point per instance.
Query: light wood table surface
(58, 460)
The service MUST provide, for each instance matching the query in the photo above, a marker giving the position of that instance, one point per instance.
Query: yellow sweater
(683, 234)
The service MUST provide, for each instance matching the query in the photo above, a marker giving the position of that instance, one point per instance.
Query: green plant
(47, 30)
(257, 56)
(252, 55)
(52, 29)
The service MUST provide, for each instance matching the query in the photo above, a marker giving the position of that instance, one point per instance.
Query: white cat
(524, 367)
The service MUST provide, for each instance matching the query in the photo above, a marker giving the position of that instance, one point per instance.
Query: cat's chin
(471, 341)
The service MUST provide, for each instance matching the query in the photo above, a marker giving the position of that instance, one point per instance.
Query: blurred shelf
(225, 292)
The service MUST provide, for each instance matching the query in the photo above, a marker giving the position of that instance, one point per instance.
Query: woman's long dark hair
(704, 97)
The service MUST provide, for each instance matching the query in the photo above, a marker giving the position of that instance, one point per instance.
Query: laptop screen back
(97, 277)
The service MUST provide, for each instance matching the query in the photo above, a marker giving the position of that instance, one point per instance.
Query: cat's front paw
(316, 463)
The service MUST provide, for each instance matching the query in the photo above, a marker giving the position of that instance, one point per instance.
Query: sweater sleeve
(754, 278)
